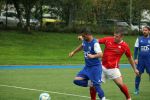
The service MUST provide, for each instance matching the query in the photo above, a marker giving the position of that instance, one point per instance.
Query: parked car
(12, 20)
(34, 23)
(137, 27)
(134, 27)
(110, 25)
(124, 25)
(47, 21)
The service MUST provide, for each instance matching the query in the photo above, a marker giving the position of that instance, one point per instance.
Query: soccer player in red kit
(115, 47)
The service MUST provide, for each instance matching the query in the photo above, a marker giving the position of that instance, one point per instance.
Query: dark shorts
(91, 73)
(144, 64)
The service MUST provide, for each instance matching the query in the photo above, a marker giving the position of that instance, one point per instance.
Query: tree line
(76, 13)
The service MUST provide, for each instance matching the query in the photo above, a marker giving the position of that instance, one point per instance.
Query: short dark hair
(86, 30)
(147, 27)
(119, 31)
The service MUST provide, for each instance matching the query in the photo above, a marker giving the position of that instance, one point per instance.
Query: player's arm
(97, 50)
(100, 40)
(97, 55)
(79, 48)
(136, 48)
(131, 61)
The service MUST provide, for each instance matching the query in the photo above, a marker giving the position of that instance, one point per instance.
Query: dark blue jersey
(91, 48)
(143, 45)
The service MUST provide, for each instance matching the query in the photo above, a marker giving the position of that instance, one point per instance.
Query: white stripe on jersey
(97, 48)
(137, 43)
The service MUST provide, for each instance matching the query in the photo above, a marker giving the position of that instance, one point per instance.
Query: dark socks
(83, 83)
(137, 82)
(99, 91)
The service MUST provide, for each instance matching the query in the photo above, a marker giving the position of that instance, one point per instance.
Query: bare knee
(78, 78)
(119, 82)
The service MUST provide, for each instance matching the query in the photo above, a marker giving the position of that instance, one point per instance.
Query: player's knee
(82, 83)
(75, 82)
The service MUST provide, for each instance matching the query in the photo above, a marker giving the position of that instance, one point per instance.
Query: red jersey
(113, 52)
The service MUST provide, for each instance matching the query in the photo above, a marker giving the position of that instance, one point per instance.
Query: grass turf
(40, 48)
(60, 80)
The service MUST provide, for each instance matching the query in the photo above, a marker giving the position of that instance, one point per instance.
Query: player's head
(146, 31)
(86, 34)
(118, 35)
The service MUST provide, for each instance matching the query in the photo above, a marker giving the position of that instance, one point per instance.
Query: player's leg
(148, 68)
(93, 93)
(140, 68)
(92, 89)
(148, 74)
(117, 78)
(97, 89)
(100, 91)
(122, 87)
(95, 77)
(81, 79)
(137, 84)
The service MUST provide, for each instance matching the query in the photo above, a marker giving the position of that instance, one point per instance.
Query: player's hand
(90, 56)
(136, 72)
(136, 61)
(71, 54)
(80, 37)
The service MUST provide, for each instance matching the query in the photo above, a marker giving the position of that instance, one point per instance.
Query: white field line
(68, 94)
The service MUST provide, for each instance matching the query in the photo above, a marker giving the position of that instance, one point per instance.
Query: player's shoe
(104, 98)
(136, 92)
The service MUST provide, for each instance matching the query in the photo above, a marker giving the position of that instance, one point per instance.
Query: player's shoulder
(108, 38)
(140, 37)
(95, 40)
(125, 44)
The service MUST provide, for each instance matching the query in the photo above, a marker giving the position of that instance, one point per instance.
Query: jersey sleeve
(137, 43)
(102, 40)
(82, 43)
(128, 52)
(97, 48)
(135, 52)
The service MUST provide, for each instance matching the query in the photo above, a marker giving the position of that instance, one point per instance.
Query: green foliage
(82, 12)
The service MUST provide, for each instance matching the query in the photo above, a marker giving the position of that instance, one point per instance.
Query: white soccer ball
(44, 96)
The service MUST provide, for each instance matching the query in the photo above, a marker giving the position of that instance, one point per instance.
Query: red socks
(93, 93)
(124, 89)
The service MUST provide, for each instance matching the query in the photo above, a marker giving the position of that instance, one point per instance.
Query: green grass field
(60, 80)
(41, 48)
